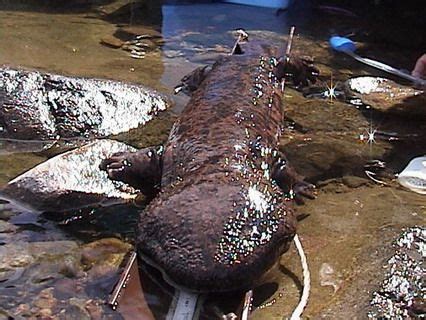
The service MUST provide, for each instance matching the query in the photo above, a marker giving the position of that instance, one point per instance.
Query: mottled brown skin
(206, 229)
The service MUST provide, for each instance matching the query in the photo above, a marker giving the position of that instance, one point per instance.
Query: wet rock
(23, 310)
(40, 290)
(77, 309)
(129, 32)
(107, 252)
(70, 267)
(14, 258)
(76, 313)
(45, 314)
(94, 309)
(5, 213)
(46, 106)
(332, 186)
(327, 157)
(401, 294)
(134, 12)
(135, 39)
(65, 288)
(21, 254)
(111, 41)
(354, 181)
(71, 180)
(33, 264)
(140, 44)
(45, 299)
(4, 316)
(386, 95)
(6, 227)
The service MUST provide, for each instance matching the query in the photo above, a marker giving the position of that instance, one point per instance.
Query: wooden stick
(287, 53)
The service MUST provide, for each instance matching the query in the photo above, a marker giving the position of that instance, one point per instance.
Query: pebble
(70, 267)
(6, 227)
(45, 299)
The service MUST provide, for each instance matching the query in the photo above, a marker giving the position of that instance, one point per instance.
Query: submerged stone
(35, 105)
(387, 95)
(109, 252)
(35, 285)
(71, 180)
(6, 227)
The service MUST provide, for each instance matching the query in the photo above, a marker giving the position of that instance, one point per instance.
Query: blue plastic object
(342, 44)
(276, 4)
(347, 46)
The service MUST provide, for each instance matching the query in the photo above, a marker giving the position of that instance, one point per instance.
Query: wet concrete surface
(351, 223)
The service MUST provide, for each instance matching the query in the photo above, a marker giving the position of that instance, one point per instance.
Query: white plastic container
(413, 176)
(277, 4)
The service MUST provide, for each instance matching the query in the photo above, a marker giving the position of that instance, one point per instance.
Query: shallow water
(53, 265)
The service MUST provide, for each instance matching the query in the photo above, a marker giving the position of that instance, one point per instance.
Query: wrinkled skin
(222, 217)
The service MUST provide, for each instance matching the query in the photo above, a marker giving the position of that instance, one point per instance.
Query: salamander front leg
(291, 182)
(141, 169)
(191, 82)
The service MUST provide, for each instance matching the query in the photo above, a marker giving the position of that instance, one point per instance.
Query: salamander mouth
(150, 262)
(210, 284)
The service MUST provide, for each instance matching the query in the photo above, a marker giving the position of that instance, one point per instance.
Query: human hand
(419, 70)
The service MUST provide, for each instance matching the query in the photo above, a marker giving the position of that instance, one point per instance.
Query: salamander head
(215, 237)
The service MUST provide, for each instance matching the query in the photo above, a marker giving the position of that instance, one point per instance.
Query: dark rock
(354, 181)
(129, 32)
(135, 12)
(34, 105)
(71, 180)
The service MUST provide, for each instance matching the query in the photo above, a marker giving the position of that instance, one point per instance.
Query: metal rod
(290, 41)
(248, 300)
(287, 57)
(115, 296)
(287, 53)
